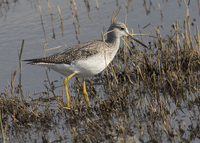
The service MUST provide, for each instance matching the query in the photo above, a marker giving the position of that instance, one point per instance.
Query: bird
(85, 59)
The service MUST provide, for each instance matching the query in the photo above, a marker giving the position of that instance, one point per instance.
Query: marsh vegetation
(145, 94)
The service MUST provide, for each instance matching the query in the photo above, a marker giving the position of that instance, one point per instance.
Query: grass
(153, 96)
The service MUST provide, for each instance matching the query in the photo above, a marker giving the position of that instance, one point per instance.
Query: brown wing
(74, 53)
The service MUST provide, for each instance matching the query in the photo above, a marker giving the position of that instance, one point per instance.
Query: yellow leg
(66, 90)
(85, 93)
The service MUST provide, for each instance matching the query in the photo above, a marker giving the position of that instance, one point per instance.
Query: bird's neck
(113, 41)
(113, 46)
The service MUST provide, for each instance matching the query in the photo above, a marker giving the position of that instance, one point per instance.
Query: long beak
(129, 35)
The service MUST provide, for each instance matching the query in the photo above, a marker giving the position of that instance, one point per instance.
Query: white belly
(82, 68)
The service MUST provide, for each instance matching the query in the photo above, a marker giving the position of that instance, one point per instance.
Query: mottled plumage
(88, 58)
(85, 59)
(74, 53)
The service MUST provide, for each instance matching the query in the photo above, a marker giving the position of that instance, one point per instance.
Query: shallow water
(22, 21)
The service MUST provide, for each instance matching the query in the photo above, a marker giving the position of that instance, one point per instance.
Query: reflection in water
(73, 2)
(5, 7)
(76, 15)
(98, 8)
(20, 70)
(51, 19)
(88, 8)
(145, 5)
(60, 19)
(127, 6)
(161, 14)
(199, 6)
(153, 95)
(42, 23)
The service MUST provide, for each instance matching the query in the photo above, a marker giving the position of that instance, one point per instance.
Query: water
(23, 21)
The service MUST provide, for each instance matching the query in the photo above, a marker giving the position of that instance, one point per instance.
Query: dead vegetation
(150, 95)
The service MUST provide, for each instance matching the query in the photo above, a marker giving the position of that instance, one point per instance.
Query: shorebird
(85, 59)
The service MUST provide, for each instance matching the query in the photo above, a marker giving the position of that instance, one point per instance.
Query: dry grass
(153, 96)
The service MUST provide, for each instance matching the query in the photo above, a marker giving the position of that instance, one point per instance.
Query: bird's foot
(62, 106)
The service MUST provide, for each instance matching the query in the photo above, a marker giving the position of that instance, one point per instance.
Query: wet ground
(145, 95)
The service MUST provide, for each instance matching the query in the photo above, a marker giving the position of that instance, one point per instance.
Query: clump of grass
(140, 97)
(154, 80)
(155, 84)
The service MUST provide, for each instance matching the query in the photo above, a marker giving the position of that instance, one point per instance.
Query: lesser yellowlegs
(85, 59)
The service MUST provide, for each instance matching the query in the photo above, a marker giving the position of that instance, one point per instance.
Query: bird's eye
(122, 28)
